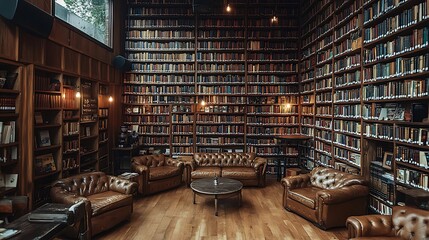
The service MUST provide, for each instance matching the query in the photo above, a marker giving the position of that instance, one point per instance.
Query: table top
(32, 230)
(224, 186)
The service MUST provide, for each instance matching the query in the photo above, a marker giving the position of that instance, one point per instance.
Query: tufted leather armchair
(245, 167)
(325, 196)
(108, 199)
(404, 223)
(157, 173)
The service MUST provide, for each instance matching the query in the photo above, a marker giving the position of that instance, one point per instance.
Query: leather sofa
(156, 173)
(244, 167)
(404, 223)
(108, 199)
(326, 196)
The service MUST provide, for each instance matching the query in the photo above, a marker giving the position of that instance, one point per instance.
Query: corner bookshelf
(71, 127)
(10, 79)
(88, 125)
(47, 132)
(395, 92)
(105, 163)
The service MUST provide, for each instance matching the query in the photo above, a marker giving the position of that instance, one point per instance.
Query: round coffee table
(225, 188)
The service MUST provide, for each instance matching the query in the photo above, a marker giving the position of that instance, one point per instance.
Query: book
(52, 212)
(45, 164)
(10, 80)
(8, 180)
(8, 233)
(38, 118)
(44, 140)
(423, 158)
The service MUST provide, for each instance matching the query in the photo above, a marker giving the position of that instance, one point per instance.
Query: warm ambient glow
(64, 95)
(274, 19)
(203, 103)
(77, 94)
(228, 8)
(110, 99)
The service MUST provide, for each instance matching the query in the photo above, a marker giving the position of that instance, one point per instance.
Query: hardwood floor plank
(172, 215)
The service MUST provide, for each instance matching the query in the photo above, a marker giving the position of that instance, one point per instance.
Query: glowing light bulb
(77, 94)
(274, 19)
(228, 8)
(203, 103)
(64, 95)
(110, 99)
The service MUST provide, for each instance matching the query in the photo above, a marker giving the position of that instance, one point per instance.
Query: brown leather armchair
(325, 196)
(404, 223)
(108, 199)
(157, 173)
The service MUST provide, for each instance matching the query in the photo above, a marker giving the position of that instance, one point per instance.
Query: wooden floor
(172, 215)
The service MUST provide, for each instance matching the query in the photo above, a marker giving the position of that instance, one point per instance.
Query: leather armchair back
(155, 160)
(410, 223)
(85, 184)
(328, 178)
(225, 159)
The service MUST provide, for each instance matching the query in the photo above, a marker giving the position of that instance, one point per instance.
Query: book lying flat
(51, 212)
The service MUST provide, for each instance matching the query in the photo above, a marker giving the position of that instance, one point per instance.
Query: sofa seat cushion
(204, 172)
(305, 196)
(238, 173)
(107, 201)
(157, 173)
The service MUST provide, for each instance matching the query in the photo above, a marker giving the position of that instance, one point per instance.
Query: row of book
(347, 95)
(69, 98)
(222, 109)
(160, 57)
(348, 156)
(221, 89)
(323, 71)
(220, 140)
(272, 34)
(8, 154)
(397, 89)
(280, 67)
(71, 146)
(276, 109)
(220, 118)
(325, 42)
(307, 121)
(167, 79)
(400, 67)
(220, 129)
(45, 100)
(269, 131)
(163, 67)
(180, 22)
(103, 123)
(182, 118)
(164, 10)
(153, 45)
(387, 111)
(7, 104)
(382, 182)
(148, 119)
(380, 131)
(7, 132)
(324, 97)
(347, 63)
(182, 140)
(347, 141)
(70, 163)
(350, 26)
(324, 111)
(390, 25)
(379, 206)
(221, 45)
(412, 178)
(70, 128)
(345, 126)
(418, 39)
(159, 34)
(347, 111)
(412, 156)
(272, 120)
(380, 7)
(182, 150)
(348, 79)
(351, 8)
(353, 42)
(323, 134)
(412, 135)
(324, 56)
(272, 89)
(157, 109)
(160, 89)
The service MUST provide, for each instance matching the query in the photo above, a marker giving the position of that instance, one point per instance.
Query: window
(93, 17)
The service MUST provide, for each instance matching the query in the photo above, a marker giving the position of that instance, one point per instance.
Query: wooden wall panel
(104, 72)
(31, 48)
(71, 61)
(8, 40)
(95, 69)
(53, 55)
(85, 66)
(45, 5)
(60, 33)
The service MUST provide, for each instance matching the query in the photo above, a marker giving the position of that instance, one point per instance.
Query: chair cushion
(204, 172)
(108, 200)
(239, 173)
(305, 196)
(157, 173)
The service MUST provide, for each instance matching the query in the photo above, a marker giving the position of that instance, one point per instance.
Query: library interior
(221, 119)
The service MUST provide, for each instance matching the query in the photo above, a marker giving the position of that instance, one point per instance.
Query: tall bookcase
(10, 144)
(104, 100)
(207, 80)
(369, 92)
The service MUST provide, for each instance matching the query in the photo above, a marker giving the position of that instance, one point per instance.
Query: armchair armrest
(260, 162)
(369, 226)
(298, 181)
(174, 162)
(60, 195)
(139, 168)
(332, 196)
(122, 185)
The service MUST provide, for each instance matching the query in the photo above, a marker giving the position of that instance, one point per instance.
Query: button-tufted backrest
(85, 184)
(224, 159)
(328, 178)
(410, 223)
(155, 160)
